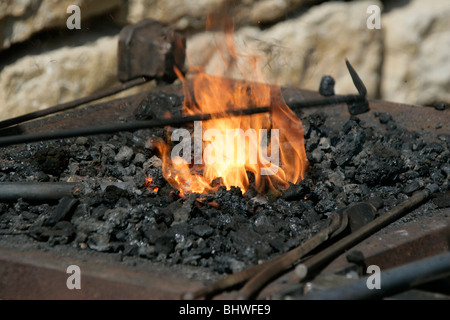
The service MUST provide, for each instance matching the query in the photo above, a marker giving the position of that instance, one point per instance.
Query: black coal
(226, 231)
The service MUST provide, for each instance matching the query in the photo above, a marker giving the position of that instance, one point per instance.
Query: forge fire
(227, 149)
(262, 170)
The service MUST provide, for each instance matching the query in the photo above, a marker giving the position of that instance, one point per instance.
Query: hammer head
(358, 107)
(149, 49)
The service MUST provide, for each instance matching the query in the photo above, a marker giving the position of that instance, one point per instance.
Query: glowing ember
(150, 186)
(270, 146)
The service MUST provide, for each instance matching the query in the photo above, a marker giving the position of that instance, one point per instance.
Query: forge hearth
(383, 156)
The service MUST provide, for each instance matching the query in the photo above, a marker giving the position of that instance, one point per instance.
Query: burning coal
(225, 150)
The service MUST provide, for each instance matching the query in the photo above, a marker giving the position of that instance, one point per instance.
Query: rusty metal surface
(37, 273)
(410, 242)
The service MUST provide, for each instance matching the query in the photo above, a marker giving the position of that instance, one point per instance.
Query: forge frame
(38, 268)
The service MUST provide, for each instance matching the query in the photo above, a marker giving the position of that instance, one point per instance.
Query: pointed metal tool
(359, 105)
(356, 80)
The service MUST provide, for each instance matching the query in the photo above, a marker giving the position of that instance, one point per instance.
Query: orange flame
(210, 94)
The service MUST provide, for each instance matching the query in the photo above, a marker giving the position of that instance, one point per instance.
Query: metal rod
(72, 104)
(37, 191)
(310, 266)
(323, 102)
(131, 126)
(137, 125)
(392, 281)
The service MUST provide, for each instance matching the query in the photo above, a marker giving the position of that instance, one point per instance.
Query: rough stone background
(42, 63)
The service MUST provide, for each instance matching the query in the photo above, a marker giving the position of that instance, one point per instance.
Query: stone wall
(43, 63)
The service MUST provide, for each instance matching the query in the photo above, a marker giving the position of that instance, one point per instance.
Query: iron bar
(137, 125)
(72, 104)
(312, 265)
(130, 126)
(393, 281)
(37, 191)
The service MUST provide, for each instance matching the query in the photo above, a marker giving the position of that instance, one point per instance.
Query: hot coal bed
(118, 211)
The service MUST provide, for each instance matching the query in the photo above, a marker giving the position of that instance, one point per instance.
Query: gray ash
(225, 231)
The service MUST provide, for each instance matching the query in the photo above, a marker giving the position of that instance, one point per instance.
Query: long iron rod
(393, 281)
(307, 268)
(37, 191)
(137, 125)
(72, 104)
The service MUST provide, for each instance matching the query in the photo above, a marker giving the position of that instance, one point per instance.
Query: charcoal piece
(276, 241)
(180, 231)
(42, 177)
(442, 200)
(440, 106)
(99, 242)
(437, 176)
(263, 224)
(117, 216)
(139, 159)
(316, 156)
(183, 213)
(326, 87)
(413, 186)
(61, 233)
(63, 210)
(157, 105)
(144, 111)
(316, 120)
(384, 117)
(108, 153)
(391, 126)
(99, 212)
(165, 244)
(21, 205)
(53, 161)
(112, 193)
(202, 251)
(355, 256)
(152, 235)
(262, 250)
(433, 147)
(349, 172)
(326, 205)
(312, 143)
(297, 191)
(145, 251)
(124, 155)
(129, 250)
(227, 264)
(350, 144)
(203, 230)
(384, 165)
(243, 237)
